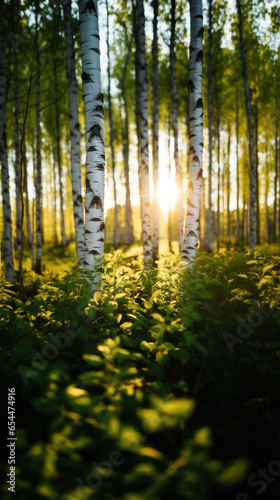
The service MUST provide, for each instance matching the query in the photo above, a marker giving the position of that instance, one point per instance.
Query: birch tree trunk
(257, 176)
(57, 123)
(155, 132)
(25, 188)
(38, 150)
(267, 225)
(252, 177)
(196, 134)
(95, 150)
(237, 169)
(116, 234)
(210, 239)
(54, 198)
(7, 216)
(228, 183)
(274, 232)
(18, 176)
(78, 208)
(218, 187)
(143, 125)
(174, 118)
(128, 229)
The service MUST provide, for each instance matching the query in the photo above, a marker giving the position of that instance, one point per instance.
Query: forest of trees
(139, 249)
(147, 68)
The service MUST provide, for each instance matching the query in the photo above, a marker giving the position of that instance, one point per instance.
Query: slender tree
(196, 133)
(174, 119)
(155, 131)
(228, 182)
(142, 97)
(252, 228)
(210, 132)
(95, 150)
(237, 167)
(116, 234)
(38, 148)
(128, 230)
(78, 208)
(257, 175)
(7, 216)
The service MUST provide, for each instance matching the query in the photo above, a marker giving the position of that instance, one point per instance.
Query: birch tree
(155, 130)
(95, 150)
(143, 126)
(7, 215)
(174, 118)
(38, 149)
(116, 233)
(78, 208)
(252, 177)
(210, 232)
(195, 134)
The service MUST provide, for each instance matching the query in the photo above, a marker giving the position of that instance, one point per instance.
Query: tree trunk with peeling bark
(95, 149)
(196, 134)
(144, 140)
(252, 177)
(116, 233)
(155, 131)
(7, 215)
(174, 121)
(78, 208)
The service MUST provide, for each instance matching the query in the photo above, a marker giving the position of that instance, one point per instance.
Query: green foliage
(134, 391)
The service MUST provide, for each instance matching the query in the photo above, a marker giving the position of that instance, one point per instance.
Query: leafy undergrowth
(163, 385)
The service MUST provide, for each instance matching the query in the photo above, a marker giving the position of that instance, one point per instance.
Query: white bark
(210, 232)
(143, 125)
(95, 151)
(7, 216)
(155, 132)
(116, 234)
(174, 118)
(196, 134)
(38, 154)
(78, 208)
(252, 176)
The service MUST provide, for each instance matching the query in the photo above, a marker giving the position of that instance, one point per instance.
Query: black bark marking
(191, 233)
(96, 50)
(99, 109)
(88, 188)
(192, 135)
(199, 56)
(189, 213)
(88, 232)
(95, 133)
(95, 219)
(189, 203)
(91, 148)
(78, 200)
(86, 263)
(102, 240)
(192, 150)
(199, 16)
(191, 186)
(100, 97)
(199, 103)
(96, 202)
(195, 158)
(90, 7)
(192, 48)
(200, 33)
(93, 252)
(191, 86)
(80, 221)
(199, 175)
(101, 228)
(100, 167)
(86, 78)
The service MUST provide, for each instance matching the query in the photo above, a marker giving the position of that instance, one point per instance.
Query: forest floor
(163, 385)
